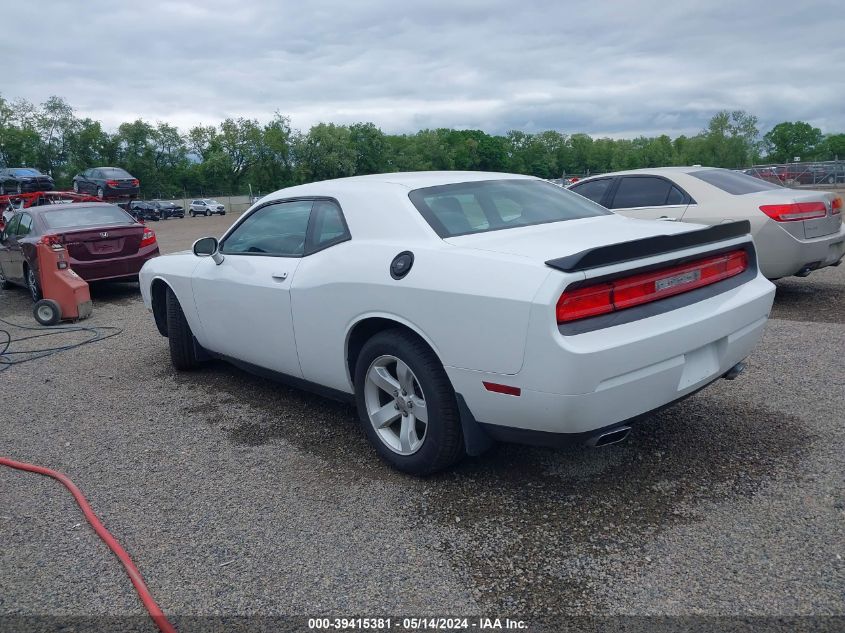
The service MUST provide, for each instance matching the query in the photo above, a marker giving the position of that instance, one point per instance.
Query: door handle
(280, 276)
(667, 218)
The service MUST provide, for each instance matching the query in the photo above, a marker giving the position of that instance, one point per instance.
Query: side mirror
(207, 247)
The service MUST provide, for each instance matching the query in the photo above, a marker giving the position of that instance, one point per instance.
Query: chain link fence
(812, 174)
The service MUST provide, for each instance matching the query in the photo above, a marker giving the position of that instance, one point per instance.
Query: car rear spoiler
(648, 246)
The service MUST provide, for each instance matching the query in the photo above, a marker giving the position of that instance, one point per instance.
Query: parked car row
(155, 210)
(801, 174)
(796, 231)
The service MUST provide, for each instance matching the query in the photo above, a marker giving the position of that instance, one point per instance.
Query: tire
(222, 213)
(20, 188)
(441, 444)
(34, 285)
(191, 213)
(100, 193)
(2, 190)
(47, 312)
(183, 354)
(4, 283)
(75, 187)
(207, 213)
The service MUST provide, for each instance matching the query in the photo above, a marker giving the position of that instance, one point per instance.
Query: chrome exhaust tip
(734, 371)
(613, 436)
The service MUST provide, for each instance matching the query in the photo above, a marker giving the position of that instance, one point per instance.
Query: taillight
(836, 206)
(112, 183)
(135, 182)
(628, 292)
(795, 212)
(53, 241)
(149, 237)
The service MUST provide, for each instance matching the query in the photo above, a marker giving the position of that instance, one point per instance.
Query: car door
(649, 198)
(13, 259)
(244, 303)
(8, 241)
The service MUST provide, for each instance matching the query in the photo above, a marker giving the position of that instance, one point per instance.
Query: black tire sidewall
(439, 397)
(54, 306)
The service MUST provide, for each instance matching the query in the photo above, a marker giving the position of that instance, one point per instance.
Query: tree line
(240, 153)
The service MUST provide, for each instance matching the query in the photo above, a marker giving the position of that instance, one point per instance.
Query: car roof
(407, 180)
(665, 171)
(76, 205)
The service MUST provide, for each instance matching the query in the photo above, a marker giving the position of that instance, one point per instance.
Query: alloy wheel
(396, 405)
(32, 283)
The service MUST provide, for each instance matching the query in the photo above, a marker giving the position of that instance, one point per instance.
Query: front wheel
(207, 213)
(407, 405)
(75, 187)
(183, 353)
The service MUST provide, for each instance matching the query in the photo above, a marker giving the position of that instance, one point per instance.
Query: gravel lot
(239, 496)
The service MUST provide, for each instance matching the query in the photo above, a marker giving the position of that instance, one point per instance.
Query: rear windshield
(115, 172)
(25, 172)
(733, 182)
(491, 205)
(72, 216)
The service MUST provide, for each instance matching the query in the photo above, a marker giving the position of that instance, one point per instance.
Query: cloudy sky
(605, 68)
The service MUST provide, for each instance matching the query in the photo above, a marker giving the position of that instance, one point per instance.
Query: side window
(641, 191)
(12, 228)
(593, 190)
(329, 227)
(277, 229)
(676, 196)
(25, 225)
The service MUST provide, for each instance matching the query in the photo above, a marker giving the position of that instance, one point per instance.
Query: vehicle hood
(558, 239)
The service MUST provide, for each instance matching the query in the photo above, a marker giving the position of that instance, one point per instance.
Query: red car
(102, 241)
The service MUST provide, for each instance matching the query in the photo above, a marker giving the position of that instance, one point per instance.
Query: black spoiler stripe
(648, 246)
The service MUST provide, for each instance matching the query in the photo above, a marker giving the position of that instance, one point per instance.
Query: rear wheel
(2, 189)
(4, 283)
(33, 284)
(47, 312)
(20, 189)
(207, 213)
(76, 186)
(183, 353)
(407, 405)
(99, 192)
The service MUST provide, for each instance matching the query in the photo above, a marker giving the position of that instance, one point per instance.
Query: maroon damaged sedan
(102, 240)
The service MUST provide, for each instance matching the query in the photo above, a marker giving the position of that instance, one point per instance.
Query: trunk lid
(548, 241)
(103, 243)
(805, 229)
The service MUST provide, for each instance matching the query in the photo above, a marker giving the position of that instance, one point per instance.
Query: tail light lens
(795, 212)
(112, 183)
(53, 241)
(135, 182)
(149, 237)
(836, 206)
(628, 292)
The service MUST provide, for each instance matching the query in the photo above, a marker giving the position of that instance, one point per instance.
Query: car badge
(104, 234)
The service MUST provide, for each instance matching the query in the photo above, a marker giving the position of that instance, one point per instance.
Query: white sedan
(796, 231)
(458, 308)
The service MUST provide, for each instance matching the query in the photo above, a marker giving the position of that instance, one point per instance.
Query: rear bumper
(115, 268)
(781, 254)
(581, 383)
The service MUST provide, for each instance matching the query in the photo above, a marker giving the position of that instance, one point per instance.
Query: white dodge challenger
(459, 308)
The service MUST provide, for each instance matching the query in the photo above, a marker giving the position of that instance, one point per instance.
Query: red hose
(154, 610)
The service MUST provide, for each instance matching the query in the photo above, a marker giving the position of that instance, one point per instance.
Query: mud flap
(476, 440)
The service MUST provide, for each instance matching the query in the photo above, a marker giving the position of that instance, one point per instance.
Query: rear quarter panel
(472, 308)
